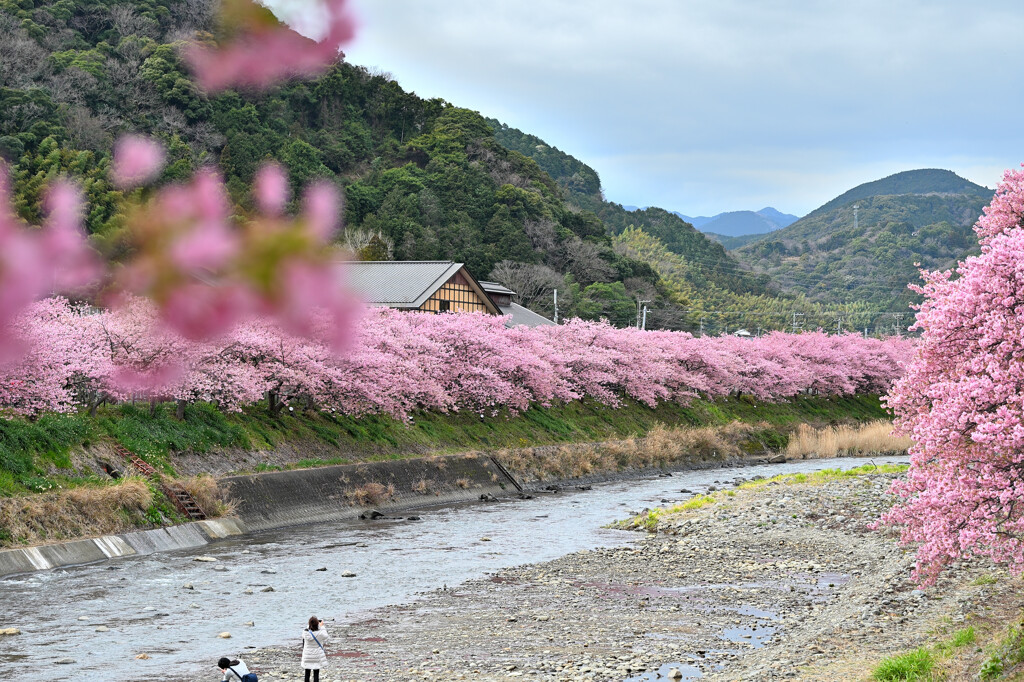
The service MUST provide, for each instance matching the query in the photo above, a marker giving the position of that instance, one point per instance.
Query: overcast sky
(714, 105)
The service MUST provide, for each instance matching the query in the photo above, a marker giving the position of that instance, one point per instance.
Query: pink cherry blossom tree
(962, 401)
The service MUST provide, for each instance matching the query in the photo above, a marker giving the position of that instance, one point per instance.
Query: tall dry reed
(662, 446)
(839, 441)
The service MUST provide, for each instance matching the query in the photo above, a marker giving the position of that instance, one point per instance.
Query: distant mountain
(741, 223)
(778, 217)
(697, 221)
(733, 243)
(920, 216)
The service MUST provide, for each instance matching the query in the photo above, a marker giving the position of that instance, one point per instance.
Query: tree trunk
(179, 412)
(273, 404)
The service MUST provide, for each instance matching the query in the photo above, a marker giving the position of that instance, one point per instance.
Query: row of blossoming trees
(401, 362)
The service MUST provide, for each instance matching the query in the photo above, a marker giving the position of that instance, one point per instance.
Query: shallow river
(145, 608)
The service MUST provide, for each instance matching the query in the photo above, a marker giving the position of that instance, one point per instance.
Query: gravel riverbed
(782, 581)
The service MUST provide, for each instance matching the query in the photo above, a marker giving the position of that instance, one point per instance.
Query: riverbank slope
(63, 477)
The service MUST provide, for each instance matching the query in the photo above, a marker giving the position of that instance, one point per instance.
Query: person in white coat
(233, 670)
(314, 656)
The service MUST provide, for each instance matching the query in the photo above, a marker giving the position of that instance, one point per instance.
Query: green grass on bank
(35, 455)
(649, 520)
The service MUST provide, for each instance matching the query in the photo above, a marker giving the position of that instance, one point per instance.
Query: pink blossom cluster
(36, 262)
(261, 50)
(207, 269)
(962, 401)
(207, 273)
(399, 363)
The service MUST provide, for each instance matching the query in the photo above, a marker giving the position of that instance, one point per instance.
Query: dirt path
(778, 582)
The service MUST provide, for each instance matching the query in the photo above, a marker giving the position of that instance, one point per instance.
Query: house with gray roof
(435, 287)
(517, 314)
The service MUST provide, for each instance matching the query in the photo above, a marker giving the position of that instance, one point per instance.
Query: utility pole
(639, 303)
(758, 332)
(839, 325)
(556, 306)
(796, 315)
(644, 323)
(702, 326)
(899, 324)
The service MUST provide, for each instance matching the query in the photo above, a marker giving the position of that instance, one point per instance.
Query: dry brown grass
(661, 447)
(373, 493)
(423, 486)
(839, 441)
(462, 482)
(79, 512)
(210, 497)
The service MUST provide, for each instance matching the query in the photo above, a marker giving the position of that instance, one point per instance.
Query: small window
(443, 306)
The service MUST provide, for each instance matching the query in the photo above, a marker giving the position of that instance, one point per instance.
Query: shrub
(914, 665)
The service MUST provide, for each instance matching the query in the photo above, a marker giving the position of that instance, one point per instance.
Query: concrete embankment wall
(77, 552)
(288, 498)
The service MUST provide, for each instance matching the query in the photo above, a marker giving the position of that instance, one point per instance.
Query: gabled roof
(518, 315)
(495, 288)
(405, 284)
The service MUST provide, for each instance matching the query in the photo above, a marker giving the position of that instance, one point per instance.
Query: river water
(144, 606)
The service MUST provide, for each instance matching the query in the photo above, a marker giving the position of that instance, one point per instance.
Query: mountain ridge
(918, 216)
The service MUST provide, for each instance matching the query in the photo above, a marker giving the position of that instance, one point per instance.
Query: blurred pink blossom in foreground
(207, 271)
(34, 263)
(263, 50)
(137, 160)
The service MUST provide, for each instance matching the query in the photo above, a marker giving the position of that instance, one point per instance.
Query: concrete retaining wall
(78, 552)
(287, 498)
(290, 498)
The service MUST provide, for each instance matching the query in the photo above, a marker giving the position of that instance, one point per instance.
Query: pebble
(224, 635)
(7, 632)
(103, 628)
(208, 559)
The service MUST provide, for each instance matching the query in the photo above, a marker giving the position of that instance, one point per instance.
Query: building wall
(455, 295)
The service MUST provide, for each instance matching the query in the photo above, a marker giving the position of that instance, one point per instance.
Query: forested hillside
(423, 179)
(923, 216)
(427, 176)
(583, 191)
(700, 304)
